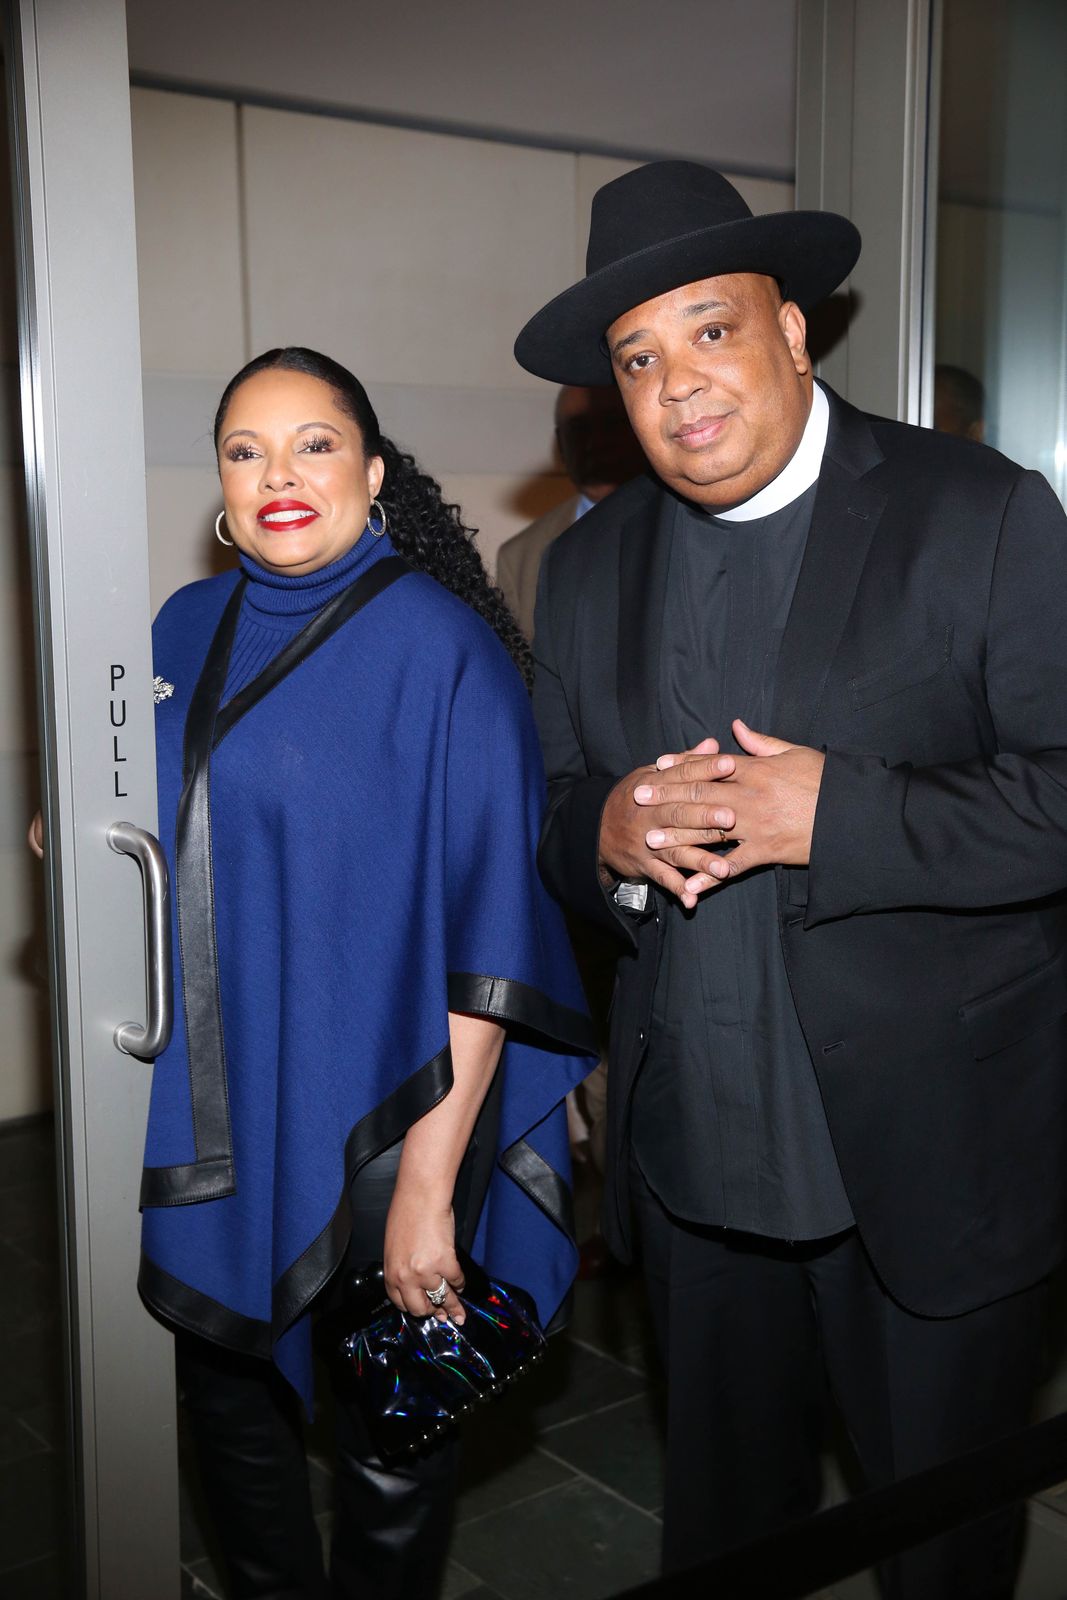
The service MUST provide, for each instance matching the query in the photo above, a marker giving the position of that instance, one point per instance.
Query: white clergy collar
(798, 474)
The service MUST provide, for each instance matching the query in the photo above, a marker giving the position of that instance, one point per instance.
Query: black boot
(391, 1524)
(246, 1431)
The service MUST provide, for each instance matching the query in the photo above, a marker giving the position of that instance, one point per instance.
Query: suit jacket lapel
(644, 562)
(844, 518)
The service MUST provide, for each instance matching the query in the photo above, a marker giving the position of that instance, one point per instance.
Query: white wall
(412, 257)
(191, 291)
(710, 79)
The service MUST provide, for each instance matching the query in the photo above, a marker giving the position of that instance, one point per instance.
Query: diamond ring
(436, 1297)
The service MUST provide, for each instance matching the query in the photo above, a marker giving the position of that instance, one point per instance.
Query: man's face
(716, 381)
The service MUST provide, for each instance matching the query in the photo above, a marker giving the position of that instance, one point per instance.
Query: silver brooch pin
(161, 690)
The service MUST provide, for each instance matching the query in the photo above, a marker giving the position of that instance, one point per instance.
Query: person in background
(598, 451)
(959, 403)
(801, 701)
(352, 954)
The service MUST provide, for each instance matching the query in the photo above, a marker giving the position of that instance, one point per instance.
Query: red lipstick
(283, 516)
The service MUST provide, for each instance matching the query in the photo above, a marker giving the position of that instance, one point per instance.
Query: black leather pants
(391, 1524)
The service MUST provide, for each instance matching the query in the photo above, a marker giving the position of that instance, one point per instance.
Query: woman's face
(295, 482)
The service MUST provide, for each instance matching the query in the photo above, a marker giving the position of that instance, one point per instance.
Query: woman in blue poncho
(379, 1019)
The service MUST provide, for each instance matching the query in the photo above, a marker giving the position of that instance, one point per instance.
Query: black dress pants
(391, 1524)
(752, 1332)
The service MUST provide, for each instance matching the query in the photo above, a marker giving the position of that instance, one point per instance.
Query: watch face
(632, 896)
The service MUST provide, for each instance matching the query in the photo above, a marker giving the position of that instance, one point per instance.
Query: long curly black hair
(428, 532)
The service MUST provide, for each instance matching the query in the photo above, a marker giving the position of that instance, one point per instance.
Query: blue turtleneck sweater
(276, 607)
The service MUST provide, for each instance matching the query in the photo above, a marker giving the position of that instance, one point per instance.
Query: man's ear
(795, 333)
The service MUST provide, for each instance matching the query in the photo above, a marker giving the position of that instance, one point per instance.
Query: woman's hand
(35, 837)
(420, 1250)
(420, 1231)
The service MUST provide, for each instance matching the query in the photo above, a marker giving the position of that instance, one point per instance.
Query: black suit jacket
(926, 945)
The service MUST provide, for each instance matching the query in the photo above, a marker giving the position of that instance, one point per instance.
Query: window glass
(1001, 315)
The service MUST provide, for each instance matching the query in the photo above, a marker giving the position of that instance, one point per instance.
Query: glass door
(80, 398)
(1000, 331)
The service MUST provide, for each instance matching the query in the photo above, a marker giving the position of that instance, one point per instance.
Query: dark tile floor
(33, 1501)
(562, 1480)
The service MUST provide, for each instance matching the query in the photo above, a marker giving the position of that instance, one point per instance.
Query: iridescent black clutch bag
(413, 1376)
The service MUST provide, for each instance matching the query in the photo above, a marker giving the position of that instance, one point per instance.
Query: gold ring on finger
(723, 835)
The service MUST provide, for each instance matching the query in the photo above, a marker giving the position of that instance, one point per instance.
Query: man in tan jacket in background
(599, 453)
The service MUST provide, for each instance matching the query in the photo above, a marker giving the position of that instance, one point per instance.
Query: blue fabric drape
(373, 831)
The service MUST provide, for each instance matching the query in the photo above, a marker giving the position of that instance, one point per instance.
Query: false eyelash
(240, 452)
(318, 442)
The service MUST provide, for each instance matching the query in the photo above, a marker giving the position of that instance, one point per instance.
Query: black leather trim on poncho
(380, 1128)
(504, 1000)
(182, 1307)
(508, 1000)
(190, 1309)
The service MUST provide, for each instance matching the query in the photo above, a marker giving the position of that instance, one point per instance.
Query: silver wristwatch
(632, 894)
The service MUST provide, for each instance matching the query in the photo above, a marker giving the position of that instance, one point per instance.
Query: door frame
(868, 91)
(80, 375)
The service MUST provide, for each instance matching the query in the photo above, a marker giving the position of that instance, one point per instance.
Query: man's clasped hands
(762, 803)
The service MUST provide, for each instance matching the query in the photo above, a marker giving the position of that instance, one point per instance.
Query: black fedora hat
(664, 225)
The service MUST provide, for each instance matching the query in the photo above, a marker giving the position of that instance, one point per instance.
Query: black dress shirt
(728, 1123)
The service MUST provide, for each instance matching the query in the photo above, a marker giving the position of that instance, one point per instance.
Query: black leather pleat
(212, 1174)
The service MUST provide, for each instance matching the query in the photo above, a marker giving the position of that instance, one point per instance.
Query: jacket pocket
(1017, 1009)
(921, 663)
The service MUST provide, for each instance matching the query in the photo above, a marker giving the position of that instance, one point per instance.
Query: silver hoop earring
(377, 532)
(218, 531)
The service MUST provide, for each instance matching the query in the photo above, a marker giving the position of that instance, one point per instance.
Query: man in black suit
(802, 698)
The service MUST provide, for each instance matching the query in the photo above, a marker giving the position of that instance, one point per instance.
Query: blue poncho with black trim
(352, 845)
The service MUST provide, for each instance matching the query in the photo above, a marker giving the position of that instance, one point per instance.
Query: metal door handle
(147, 851)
